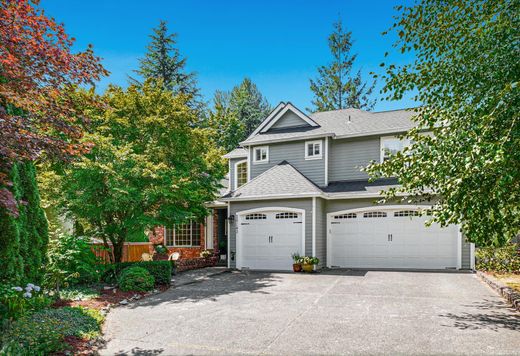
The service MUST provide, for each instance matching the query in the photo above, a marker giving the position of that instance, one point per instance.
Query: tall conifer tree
(336, 87)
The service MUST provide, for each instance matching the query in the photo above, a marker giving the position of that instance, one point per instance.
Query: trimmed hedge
(136, 279)
(161, 271)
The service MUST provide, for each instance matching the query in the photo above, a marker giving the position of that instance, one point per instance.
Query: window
(183, 235)
(407, 213)
(261, 154)
(286, 216)
(374, 214)
(313, 150)
(391, 145)
(256, 217)
(240, 174)
(346, 216)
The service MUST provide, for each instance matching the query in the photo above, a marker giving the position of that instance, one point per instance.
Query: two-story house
(296, 186)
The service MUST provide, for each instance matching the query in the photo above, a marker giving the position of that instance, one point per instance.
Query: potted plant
(308, 263)
(297, 262)
(161, 253)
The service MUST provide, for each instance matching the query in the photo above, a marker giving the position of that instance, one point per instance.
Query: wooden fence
(132, 251)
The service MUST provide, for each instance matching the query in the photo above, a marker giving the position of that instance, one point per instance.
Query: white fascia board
(286, 139)
(268, 118)
(398, 130)
(278, 196)
(295, 110)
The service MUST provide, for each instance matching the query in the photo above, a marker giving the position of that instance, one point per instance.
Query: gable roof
(288, 107)
(280, 180)
(342, 124)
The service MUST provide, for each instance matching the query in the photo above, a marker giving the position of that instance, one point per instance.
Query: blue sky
(278, 44)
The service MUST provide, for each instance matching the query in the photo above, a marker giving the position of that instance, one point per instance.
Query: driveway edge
(508, 293)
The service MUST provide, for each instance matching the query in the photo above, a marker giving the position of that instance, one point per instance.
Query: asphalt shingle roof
(345, 123)
(236, 153)
(280, 180)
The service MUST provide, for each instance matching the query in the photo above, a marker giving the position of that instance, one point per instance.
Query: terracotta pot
(307, 268)
(297, 267)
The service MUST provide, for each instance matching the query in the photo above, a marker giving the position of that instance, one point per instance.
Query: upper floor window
(240, 173)
(261, 154)
(313, 149)
(391, 145)
(183, 235)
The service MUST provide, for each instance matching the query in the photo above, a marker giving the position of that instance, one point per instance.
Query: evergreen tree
(23, 239)
(235, 115)
(164, 61)
(336, 87)
(227, 129)
(12, 262)
(34, 228)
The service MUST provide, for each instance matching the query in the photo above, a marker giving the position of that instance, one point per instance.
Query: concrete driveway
(328, 313)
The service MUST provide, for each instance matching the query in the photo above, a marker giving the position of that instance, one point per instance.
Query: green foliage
(71, 261)
(161, 249)
(160, 270)
(498, 259)
(16, 301)
(149, 166)
(23, 239)
(336, 87)
(136, 279)
(79, 293)
(296, 258)
(309, 260)
(43, 332)
(236, 115)
(466, 75)
(164, 62)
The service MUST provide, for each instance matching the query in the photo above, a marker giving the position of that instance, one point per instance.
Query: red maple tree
(39, 76)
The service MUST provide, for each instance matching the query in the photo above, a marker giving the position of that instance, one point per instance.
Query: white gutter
(314, 227)
(286, 139)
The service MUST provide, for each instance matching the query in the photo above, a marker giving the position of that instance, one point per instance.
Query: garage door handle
(390, 237)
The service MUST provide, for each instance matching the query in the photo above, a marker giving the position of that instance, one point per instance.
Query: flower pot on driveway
(307, 267)
(297, 267)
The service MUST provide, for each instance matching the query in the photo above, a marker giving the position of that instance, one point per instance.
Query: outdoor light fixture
(231, 218)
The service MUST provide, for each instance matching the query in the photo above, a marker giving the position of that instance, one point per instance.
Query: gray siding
(348, 156)
(289, 119)
(236, 207)
(466, 254)
(294, 153)
(232, 162)
(321, 232)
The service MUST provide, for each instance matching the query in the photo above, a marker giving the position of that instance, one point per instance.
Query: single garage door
(266, 239)
(394, 238)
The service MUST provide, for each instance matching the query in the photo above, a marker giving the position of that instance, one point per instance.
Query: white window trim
(266, 160)
(235, 172)
(307, 143)
(174, 245)
(406, 142)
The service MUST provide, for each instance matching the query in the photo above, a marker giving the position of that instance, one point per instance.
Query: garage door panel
(269, 243)
(364, 242)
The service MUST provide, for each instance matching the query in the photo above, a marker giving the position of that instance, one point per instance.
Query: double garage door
(376, 238)
(396, 238)
(267, 239)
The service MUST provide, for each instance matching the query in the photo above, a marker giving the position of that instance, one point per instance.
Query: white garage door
(394, 238)
(267, 239)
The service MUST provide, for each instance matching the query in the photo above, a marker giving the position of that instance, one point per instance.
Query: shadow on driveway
(491, 315)
(223, 284)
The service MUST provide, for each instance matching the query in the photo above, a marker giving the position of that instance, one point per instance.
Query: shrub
(136, 279)
(160, 270)
(71, 261)
(43, 332)
(501, 259)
